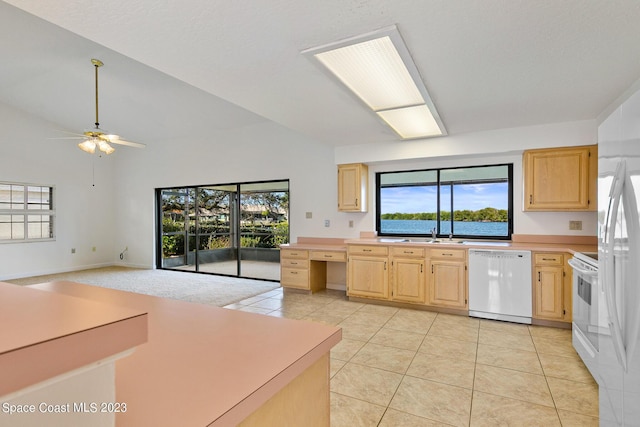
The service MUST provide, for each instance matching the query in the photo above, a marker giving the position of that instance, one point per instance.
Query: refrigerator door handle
(632, 326)
(609, 285)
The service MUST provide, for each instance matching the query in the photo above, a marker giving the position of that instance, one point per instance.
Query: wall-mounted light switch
(326, 222)
(351, 223)
(575, 225)
(308, 215)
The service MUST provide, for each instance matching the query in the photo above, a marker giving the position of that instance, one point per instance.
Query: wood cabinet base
(409, 305)
(303, 402)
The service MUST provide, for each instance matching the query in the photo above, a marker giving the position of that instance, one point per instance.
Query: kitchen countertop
(39, 328)
(204, 365)
(341, 244)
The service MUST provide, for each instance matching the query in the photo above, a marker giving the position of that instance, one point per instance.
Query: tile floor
(403, 367)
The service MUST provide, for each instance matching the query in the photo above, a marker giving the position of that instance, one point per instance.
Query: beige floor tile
(346, 349)
(270, 303)
(513, 384)
(252, 300)
(340, 307)
(365, 383)
(470, 322)
(365, 318)
(508, 327)
(568, 368)
(289, 315)
(571, 419)
(502, 339)
(442, 369)
(384, 357)
(383, 310)
(547, 332)
(326, 318)
(490, 410)
(399, 339)
(581, 398)
(334, 366)
(432, 400)
(358, 331)
(558, 346)
(393, 418)
(452, 348)
(454, 331)
(502, 357)
(409, 324)
(349, 412)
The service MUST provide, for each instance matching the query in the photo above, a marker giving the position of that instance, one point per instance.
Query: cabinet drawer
(448, 253)
(548, 259)
(294, 263)
(328, 256)
(294, 278)
(407, 252)
(368, 250)
(294, 253)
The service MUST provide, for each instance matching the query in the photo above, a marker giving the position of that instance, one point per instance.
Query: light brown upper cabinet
(560, 179)
(353, 180)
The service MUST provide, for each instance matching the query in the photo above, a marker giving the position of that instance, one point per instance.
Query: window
(26, 212)
(467, 202)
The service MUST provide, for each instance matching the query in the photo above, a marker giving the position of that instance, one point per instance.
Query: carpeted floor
(199, 288)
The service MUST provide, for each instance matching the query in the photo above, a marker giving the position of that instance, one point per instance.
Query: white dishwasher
(500, 285)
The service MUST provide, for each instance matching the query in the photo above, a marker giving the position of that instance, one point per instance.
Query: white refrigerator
(618, 359)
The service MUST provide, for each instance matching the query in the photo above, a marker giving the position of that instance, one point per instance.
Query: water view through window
(461, 202)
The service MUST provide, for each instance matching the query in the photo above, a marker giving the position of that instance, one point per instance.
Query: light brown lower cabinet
(368, 276)
(552, 287)
(408, 275)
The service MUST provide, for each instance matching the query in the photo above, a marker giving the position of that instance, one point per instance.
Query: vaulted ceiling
(184, 67)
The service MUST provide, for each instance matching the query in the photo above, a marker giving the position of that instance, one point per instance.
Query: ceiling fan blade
(70, 137)
(115, 139)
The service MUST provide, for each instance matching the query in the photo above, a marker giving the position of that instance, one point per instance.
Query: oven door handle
(577, 266)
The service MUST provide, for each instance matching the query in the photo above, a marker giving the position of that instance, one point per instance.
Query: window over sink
(465, 202)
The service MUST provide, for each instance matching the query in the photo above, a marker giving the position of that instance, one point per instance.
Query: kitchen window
(465, 202)
(26, 212)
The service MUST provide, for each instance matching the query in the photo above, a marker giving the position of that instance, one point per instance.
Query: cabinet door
(548, 294)
(447, 284)
(558, 179)
(408, 280)
(352, 187)
(368, 277)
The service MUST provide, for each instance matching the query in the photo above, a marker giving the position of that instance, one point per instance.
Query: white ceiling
(487, 64)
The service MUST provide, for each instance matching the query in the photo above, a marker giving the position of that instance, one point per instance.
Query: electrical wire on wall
(123, 252)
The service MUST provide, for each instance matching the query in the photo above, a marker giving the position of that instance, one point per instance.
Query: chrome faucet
(433, 233)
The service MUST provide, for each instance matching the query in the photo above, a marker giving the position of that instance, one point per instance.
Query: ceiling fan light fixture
(88, 146)
(377, 67)
(105, 147)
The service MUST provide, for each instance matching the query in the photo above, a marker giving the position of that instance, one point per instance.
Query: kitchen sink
(484, 243)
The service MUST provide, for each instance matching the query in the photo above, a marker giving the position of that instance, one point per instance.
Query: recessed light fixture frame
(318, 55)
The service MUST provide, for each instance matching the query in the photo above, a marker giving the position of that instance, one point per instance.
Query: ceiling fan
(97, 137)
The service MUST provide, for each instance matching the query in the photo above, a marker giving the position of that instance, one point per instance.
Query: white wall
(119, 211)
(489, 147)
(84, 213)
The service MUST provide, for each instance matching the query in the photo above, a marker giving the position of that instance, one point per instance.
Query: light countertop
(205, 365)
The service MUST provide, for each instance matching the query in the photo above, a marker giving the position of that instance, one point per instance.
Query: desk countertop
(205, 365)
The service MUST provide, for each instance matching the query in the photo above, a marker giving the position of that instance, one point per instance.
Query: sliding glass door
(230, 229)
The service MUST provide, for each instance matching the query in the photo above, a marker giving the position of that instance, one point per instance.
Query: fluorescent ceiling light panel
(374, 71)
(411, 122)
(378, 69)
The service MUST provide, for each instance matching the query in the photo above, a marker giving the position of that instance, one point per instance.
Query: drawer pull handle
(447, 254)
(366, 250)
(549, 259)
(328, 256)
(408, 252)
(294, 272)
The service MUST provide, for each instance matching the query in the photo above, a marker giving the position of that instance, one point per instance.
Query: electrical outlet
(575, 225)
(73, 250)
(327, 223)
(351, 223)
(308, 215)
